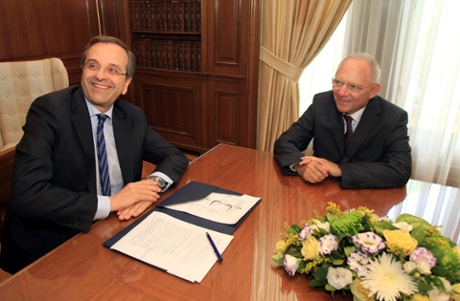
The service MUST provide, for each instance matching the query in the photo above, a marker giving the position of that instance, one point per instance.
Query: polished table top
(82, 269)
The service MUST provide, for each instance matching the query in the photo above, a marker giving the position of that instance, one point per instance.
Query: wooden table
(82, 269)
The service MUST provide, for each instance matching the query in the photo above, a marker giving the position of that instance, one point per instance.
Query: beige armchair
(20, 84)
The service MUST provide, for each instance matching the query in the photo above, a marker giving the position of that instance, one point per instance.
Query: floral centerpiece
(374, 258)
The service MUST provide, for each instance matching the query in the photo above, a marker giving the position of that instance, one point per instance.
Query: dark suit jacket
(54, 182)
(378, 156)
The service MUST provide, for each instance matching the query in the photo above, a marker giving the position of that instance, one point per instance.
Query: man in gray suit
(61, 184)
(371, 151)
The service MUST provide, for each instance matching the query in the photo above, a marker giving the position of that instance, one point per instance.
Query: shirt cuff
(103, 207)
(167, 179)
(292, 167)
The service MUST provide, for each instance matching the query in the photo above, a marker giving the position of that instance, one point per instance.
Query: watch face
(161, 183)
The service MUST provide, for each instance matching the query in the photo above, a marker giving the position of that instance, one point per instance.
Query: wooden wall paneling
(47, 28)
(228, 36)
(225, 109)
(227, 117)
(174, 107)
(37, 29)
(114, 17)
(253, 73)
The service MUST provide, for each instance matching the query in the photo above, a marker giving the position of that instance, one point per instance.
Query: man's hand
(133, 211)
(316, 170)
(134, 198)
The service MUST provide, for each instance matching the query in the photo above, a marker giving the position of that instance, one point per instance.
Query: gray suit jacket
(54, 183)
(379, 155)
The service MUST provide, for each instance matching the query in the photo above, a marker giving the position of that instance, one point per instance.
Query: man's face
(101, 80)
(355, 73)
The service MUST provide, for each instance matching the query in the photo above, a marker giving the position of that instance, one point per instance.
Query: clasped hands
(134, 198)
(315, 170)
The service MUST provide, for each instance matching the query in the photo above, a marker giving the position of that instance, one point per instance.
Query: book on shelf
(165, 15)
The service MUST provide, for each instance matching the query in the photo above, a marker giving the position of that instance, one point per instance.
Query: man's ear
(375, 90)
(125, 88)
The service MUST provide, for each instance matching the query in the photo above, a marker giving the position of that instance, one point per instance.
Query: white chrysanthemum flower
(387, 280)
(338, 278)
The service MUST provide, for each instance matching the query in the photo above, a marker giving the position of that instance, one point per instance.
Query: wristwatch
(160, 182)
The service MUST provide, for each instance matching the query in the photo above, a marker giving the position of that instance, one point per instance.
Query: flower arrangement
(374, 258)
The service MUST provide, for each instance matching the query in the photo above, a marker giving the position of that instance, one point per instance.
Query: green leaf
(348, 250)
(329, 288)
(412, 220)
(317, 283)
(424, 287)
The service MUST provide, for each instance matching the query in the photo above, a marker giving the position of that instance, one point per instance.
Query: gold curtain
(293, 33)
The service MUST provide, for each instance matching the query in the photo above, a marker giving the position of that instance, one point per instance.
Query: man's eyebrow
(115, 65)
(95, 61)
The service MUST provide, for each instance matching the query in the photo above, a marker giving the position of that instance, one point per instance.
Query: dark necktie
(102, 156)
(349, 131)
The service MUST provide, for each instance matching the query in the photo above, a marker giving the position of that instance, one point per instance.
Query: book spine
(187, 51)
(187, 13)
(193, 58)
(181, 55)
(169, 44)
(180, 16)
(175, 55)
(158, 16)
(198, 16)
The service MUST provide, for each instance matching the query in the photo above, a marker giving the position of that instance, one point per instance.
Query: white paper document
(180, 248)
(218, 207)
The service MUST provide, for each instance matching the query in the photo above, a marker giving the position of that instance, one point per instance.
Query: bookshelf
(197, 69)
(166, 34)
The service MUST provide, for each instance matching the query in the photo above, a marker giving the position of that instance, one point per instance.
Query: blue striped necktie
(102, 156)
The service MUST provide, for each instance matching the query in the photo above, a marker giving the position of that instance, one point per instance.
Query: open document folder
(172, 237)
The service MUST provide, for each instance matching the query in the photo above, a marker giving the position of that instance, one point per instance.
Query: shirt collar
(93, 111)
(358, 114)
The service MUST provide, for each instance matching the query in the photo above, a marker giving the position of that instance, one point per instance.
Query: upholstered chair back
(20, 83)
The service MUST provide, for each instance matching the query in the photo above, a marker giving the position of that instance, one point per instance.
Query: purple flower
(291, 264)
(328, 243)
(421, 255)
(369, 242)
(305, 232)
(358, 262)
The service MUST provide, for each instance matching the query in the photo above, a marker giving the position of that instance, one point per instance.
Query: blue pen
(219, 257)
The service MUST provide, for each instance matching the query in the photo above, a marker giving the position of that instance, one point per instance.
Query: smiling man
(81, 158)
(358, 137)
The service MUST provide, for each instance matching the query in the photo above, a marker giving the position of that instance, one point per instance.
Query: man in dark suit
(377, 155)
(60, 186)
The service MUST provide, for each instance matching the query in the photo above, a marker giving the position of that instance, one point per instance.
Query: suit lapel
(123, 141)
(336, 120)
(369, 119)
(81, 122)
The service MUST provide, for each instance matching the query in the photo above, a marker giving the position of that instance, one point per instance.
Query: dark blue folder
(191, 191)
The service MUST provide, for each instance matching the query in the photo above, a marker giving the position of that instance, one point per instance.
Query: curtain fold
(420, 62)
(293, 33)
